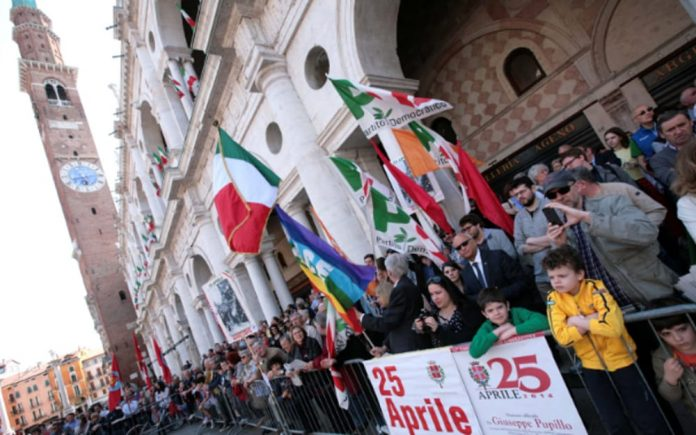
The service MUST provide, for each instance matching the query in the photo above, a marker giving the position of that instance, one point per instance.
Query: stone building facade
(524, 77)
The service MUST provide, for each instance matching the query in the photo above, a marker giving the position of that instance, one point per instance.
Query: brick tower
(87, 203)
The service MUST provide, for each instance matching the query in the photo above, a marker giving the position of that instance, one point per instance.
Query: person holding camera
(454, 320)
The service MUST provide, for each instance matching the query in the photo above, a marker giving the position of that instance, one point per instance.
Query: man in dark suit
(482, 268)
(405, 304)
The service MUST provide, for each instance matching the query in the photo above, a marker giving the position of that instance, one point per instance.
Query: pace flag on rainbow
(342, 282)
(245, 191)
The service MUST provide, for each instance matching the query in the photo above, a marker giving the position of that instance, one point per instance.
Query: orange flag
(417, 157)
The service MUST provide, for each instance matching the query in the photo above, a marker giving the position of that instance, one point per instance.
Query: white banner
(422, 393)
(227, 309)
(516, 388)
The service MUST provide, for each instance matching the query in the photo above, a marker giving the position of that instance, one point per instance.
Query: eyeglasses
(555, 193)
(646, 110)
(568, 162)
(463, 244)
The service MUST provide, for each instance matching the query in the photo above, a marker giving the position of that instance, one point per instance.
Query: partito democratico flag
(377, 109)
(245, 192)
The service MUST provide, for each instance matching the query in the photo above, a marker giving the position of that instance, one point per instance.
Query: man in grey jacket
(489, 238)
(617, 241)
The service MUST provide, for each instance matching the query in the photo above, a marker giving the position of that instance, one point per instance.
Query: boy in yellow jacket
(583, 314)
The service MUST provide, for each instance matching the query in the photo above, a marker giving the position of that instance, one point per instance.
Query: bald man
(688, 100)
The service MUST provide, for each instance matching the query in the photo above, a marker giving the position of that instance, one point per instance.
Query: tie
(479, 274)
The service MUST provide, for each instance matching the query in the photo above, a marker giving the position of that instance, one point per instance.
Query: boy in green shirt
(503, 322)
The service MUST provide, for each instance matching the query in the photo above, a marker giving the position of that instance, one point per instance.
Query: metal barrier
(306, 402)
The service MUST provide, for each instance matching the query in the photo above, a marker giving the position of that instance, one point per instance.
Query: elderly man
(483, 268)
(263, 355)
(405, 304)
(538, 173)
(676, 127)
(617, 241)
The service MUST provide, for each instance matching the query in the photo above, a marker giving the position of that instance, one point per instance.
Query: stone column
(247, 295)
(186, 100)
(154, 201)
(300, 148)
(171, 320)
(193, 317)
(201, 304)
(263, 291)
(276, 274)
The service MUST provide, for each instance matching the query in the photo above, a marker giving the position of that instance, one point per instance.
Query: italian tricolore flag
(245, 192)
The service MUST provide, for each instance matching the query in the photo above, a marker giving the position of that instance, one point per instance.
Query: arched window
(523, 70)
(55, 92)
(50, 92)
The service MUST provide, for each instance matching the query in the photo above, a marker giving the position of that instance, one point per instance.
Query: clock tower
(87, 204)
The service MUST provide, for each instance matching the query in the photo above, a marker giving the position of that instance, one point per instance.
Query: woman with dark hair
(453, 271)
(274, 338)
(619, 142)
(455, 319)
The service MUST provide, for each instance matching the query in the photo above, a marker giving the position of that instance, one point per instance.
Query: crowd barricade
(311, 405)
(307, 402)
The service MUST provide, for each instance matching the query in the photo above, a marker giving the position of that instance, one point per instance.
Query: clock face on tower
(82, 176)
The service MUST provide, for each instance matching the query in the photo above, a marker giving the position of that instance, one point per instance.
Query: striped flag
(245, 192)
(190, 21)
(342, 282)
(332, 331)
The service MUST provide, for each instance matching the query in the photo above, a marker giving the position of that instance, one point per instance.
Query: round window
(316, 67)
(274, 138)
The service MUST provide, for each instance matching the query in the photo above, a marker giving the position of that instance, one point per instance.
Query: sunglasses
(646, 110)
(435, 280)
(555, 193)
(463, 244)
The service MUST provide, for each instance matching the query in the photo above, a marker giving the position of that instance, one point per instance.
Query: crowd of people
(603, 232)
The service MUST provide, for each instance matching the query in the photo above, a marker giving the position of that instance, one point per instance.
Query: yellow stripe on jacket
(607, 331)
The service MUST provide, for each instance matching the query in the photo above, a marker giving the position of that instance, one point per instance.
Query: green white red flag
(438, 146)
(190, 21)
(335, 328)
(245, 191)
(377, 109)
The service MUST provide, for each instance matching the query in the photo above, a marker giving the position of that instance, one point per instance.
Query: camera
(424, 312)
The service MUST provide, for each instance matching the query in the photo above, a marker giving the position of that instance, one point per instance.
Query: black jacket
(503, 272)
(405, 304)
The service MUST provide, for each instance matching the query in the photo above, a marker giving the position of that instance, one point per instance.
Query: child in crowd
(674, 364)
(502, 321)
(583, 314)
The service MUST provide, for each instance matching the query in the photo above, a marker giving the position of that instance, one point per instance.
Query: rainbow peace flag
(341, 281)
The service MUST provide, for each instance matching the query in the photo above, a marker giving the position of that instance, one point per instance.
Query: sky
(42, 305)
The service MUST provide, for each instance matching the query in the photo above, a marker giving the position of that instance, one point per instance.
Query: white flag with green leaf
(377, 109)
(359, 182)
(395, 229)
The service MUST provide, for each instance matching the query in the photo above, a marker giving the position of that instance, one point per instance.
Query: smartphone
(552, 217)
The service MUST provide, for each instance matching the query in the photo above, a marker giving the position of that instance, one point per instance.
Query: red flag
(339, 385)
(166, 373)
(417, 193)
(142, 368)
(479, 190)
(115, 386)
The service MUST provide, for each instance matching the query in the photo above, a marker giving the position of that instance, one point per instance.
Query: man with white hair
(405, 304)
(538, 173)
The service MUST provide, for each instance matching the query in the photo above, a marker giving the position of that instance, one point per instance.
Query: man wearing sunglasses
(482, 268)
(646, 137)
(617, 241)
